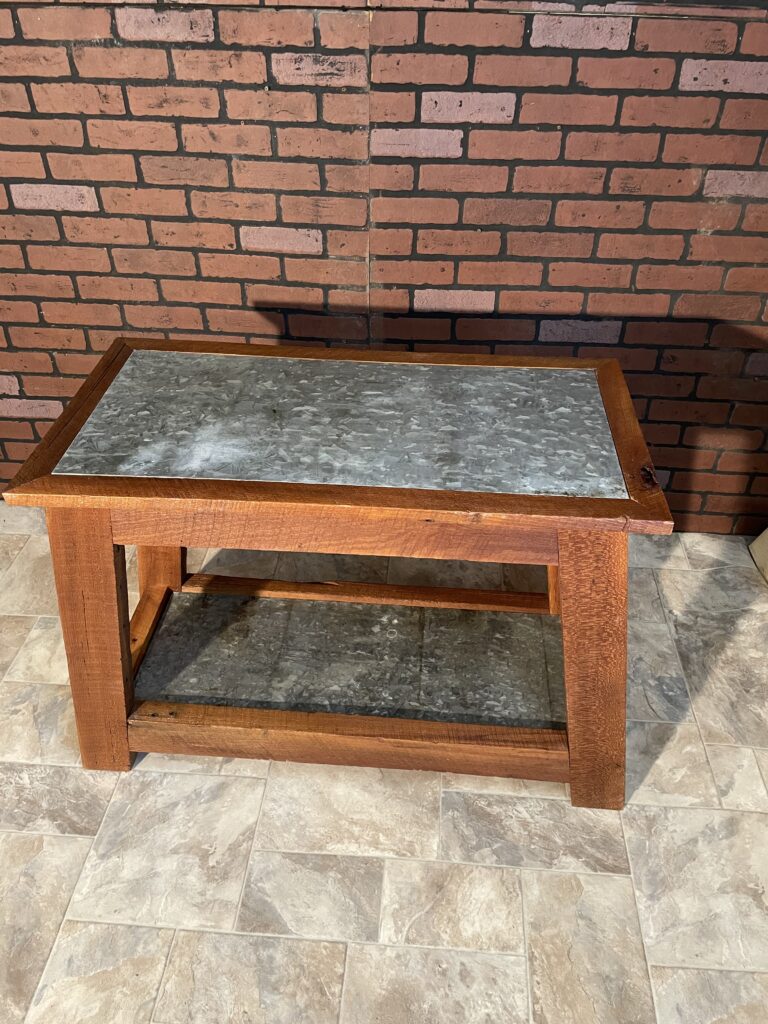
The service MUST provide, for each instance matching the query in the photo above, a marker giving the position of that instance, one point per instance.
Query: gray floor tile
(406, 986)
(48, 798)
(311, 568)
(172, 851)
(99, 973)
(587, 964)
(28, 587)
(644, 598)
(531, 579)
(656, 689)
(714, 591)
(654, 552)
(312, 896)
(709, 550)
(212, 979)
(685, 996)
(738, 778)
(700, 878)
(667, 765)
(529, 832)
(434, 572)
(233, 562)
(37, 724)
(457, 906)
(37, 876)
(19, 519)
(369, 811)
(42, 658)
(14, 629)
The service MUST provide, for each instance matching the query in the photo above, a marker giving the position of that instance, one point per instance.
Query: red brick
(710, 149)
(499, 70)
(759, 485)
(453, 300)
(158, 136)
(726, 483)
(459, 243)
(737, 183)
(348, 243)
(391, 241)
(49, 386)
(488, 30)
(343, 30)
(350, 328)
(640, 247)
(233, 206)
(738, 462)
(392, 107)
(470, 107)
(324, 210)
(245, 268)
(77, 98)
(409, 327)
(184, 170)
(500, 272)
(38, 132)
(33, 61)
(280, 239)
(121, 289)
(140, 24)
(540, 302)
(495, 330)
(275, 105)
(118, 62)
(516, 212)
(106, 230)
(173, 100)
(552, 179)
(729, 503)
(625, 72)
(693, 361)
(196, 235)
(24, 362)
(276, 175)
(322, 142)
(731, 389)
(549, 243)
(724, 439)
(670, 111)
(160, 202)
(419, 68)
(97, 313)
(575, 32)
(751, 115)
(54, 197)
(757, 363)
(415, 210)
(7, 30)
(47, 337)
(13, 97)
(52, 285)
(711, 216)
(598, 213)
(199, 292)
(746, 279)
(28, 228)
(267, 28)
(29, 408)
(327, 272)
(724, 76)
(397, 178)
(655, 181)
(616, 304)
(589, 275)
(729, 248)
(165, 317)
(219, 66)
(660, 384)
(463, 178)
(83, 167)
(739, 336)
(539, 108)
(249, 321)
(323, 69)
(689, 412)
(755, 40)
(675, 278)
(65, 23)
(749, 416)
(684, 502)
(21, 165)
(612, 146)
(11, 257)
(393, 28)
(250, 140)
(347, 178)
(687, 35)
(75, 362)
(514, 145)
(416, 272)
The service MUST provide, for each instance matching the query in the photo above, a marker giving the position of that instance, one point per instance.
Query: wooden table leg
(164, 567)
(593, 600)
(93, 602)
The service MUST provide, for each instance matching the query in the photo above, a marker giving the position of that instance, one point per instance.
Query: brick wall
(488, 178)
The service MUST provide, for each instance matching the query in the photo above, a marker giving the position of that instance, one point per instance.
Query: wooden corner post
(593, 598)
(93, 602)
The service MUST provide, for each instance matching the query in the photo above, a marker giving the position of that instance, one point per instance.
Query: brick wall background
(491, 178)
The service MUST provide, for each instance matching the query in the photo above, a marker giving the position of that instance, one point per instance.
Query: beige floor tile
(328, 809)
(202, 765)
(312, 895)
(685, 996)
(51, 798)
(456, 906)
(28, 587)
(587, 964)
(657, 552)
(416, 986)
(42, 658)
(738, 778)
(101, 973)
(512, 787)
(14, 630)
(530, 832)
(433, 572)
(172, 850)
(37, 724)
(18, 519)
(667, 764)
(700, 878)
(239, 979)
(37, 876)
(708, 550)
(10, 545)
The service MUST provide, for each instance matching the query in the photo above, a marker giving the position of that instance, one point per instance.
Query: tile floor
(210, 891)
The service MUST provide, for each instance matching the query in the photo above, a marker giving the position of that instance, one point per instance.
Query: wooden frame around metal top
(583, 541)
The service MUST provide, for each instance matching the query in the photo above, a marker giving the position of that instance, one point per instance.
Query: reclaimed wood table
(170, 445)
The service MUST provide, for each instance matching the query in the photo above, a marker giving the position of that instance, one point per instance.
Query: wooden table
(488, 459)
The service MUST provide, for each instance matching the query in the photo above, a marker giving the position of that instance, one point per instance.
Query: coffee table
(171, 445)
